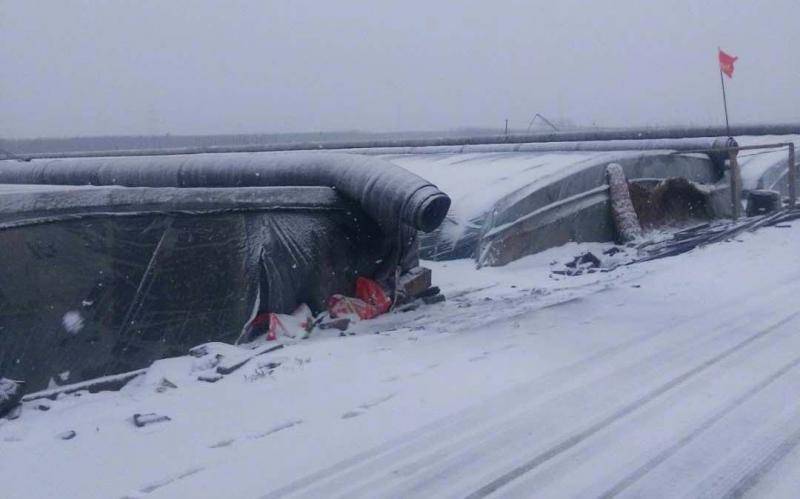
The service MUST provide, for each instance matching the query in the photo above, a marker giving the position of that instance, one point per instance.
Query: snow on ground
(674, 377)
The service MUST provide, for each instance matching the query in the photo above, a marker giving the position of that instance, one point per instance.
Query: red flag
(726, 63)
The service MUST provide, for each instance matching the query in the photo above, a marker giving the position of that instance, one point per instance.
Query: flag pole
(724, 100)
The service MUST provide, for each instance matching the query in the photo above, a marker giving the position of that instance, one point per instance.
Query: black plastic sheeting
(100, 285)
(176, 251)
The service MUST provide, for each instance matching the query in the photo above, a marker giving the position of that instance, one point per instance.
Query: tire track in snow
(746, 482)
(420, 440)
(739, 440)
(751, 479)
(443, 463)
(755, 460)
(152, 487)
(257, 435)
(482, 312)
(577, 438)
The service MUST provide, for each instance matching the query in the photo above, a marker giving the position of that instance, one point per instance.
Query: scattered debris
(585, 260)
(200, 350)
(430, 300)
(432, 291)
(43, 407)
(429, 296)
(106, 383)
(67, 435)
(680, 242)
(273, 325)
(370, 301)
(228, 366)
(342, 323)
(583, 263)
(709, 233)
(165, 385)
(262, 371)
(762, 201)
(212, 378)
(413, 284)
(785, 216)
(209, 355)
(408, 307)
(142, 420)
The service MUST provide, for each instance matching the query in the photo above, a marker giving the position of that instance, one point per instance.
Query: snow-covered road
(677, 377)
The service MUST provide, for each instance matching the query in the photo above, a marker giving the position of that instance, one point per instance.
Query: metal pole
(640, 135)
(792, 177)
(725, 103)
(736, 184)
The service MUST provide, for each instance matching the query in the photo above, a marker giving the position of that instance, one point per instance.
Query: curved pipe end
(432, 211)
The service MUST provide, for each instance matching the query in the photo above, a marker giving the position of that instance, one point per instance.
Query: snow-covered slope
(494, 185)
(674, 377)
(475, 181)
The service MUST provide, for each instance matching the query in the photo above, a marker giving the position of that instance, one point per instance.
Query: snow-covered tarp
(501, 186)
(117, 277)
(495, 189)
(766, 169)
(121, 261)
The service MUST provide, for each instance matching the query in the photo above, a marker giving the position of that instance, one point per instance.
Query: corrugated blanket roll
(387, 193)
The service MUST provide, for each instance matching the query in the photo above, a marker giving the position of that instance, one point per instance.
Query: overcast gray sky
(201, 66)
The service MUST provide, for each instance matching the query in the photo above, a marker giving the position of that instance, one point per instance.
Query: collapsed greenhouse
(110, 264)
(515, 199)
(112, 261)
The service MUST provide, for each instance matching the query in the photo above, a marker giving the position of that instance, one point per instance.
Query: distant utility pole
(506, 127)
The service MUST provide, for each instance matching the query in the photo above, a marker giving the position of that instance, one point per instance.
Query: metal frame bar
(736, 173)
(736, 184)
